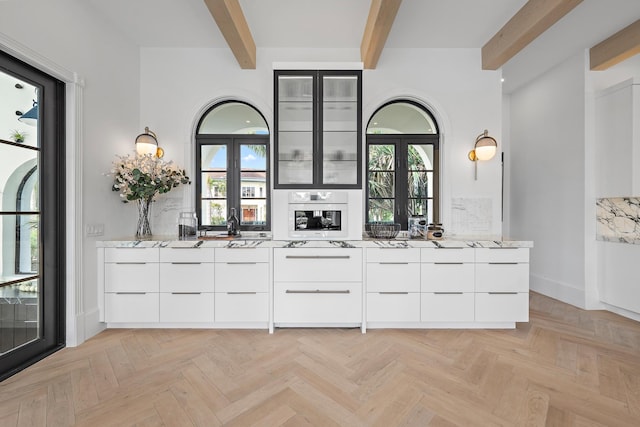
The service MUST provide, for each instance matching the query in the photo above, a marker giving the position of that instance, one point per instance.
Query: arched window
(402, 164)
(232, 161)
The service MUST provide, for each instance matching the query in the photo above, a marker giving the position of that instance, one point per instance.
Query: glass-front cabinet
(318, 128)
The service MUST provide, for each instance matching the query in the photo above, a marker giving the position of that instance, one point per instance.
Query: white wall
(547, 178)
(69, 34)
(178, 84)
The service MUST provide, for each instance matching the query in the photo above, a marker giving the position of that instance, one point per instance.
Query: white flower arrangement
(144, 176)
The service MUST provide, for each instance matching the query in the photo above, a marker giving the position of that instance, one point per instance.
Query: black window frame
(401, 142)
(233, 143)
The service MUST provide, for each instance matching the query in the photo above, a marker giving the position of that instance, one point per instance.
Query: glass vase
(144, 208)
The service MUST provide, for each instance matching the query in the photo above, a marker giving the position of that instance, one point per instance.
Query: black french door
(32, 215)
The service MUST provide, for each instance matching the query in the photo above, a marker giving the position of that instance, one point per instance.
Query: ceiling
(340, 24)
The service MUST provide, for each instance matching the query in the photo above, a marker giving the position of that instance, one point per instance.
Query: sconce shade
(486, 148)
(147, 143)
(30, 117)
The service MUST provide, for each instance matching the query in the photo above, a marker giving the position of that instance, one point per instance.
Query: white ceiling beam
(620, 46)
(533, 19)
(233, 26)
(381, 16)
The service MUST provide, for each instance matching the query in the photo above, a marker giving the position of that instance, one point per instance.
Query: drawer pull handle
(448, 263)
(448, 247)
(318, 256)
(186, 293)
(186, 247)
(503, 293)
(241, 263)
(394, 247)
(503, 263)
(393, 293)
(186, 263)
(448, 293)
(317, 291)
(504, 247)
(394, 263)
(241, 293)
(131, 293)
(130, 263)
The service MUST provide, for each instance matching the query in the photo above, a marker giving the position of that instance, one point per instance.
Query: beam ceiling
(233, 26)
(620, 46)
(381, 16)
(533, 19)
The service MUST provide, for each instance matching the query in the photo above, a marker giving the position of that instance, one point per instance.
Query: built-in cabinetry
(318, 123)
(317, 286)
(242, 285)
(393, 285)
(248, 286)
(185, 285)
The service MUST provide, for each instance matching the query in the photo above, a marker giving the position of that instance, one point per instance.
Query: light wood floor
(566, 367)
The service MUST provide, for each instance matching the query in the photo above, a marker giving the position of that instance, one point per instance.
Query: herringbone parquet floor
(566, 367)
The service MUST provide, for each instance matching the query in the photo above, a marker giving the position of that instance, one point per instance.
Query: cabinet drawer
(242, 307)
(317, 265)
(131, 307)
(242, 254)
(393, 277)
(447, 277)
(497, 307)
(502, 255)
(134, 277)
(131, 255)
(187, 255)
(447, 307)
(393, 307)
(393, 255)
(502, 277)
(338, 302)
(251, 277)
(186, 277)
(186, 307)
(447, 255)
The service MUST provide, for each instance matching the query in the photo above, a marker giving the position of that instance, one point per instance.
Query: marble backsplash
(618, 219)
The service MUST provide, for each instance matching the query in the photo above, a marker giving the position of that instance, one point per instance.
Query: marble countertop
(249, 242)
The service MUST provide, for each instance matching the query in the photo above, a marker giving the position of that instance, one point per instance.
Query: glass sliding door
(31, 215)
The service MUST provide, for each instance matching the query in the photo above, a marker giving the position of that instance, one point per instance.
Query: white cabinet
(502, 285)
(393, 285)
(317, 286)
(187, 285)
(131, 291)
(242, 284)
(447, 282)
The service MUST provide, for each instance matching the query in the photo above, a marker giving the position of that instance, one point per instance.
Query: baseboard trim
(557, 290)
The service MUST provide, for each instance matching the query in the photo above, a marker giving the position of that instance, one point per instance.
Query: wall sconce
(147, 143)
(484, 149)
(30, 117)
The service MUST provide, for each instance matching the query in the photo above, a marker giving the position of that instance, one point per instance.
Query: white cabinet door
(447, 307)
(393, 276)
(187, 277)
(502, 255)
(393, 255)
(241, 254)
(189, 255)
(131, 307)
(299, 302)
(242, 307)
(447, 255)
(447, 277)
(131, 277)
(317, 265)
(186, 307)
(131, 255)
(393, 307)
(502, 307)
(502, 277)
(242, 276)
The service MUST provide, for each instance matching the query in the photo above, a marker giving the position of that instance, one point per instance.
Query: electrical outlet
(94, 230)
